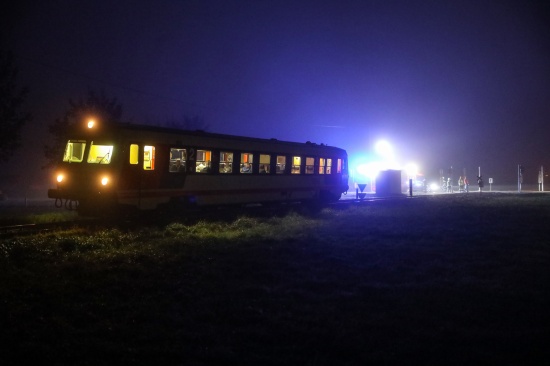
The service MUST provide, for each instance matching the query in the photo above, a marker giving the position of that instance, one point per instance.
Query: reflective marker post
(541, 179)
(518, 179)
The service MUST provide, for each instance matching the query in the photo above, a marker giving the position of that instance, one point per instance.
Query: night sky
(447, 83)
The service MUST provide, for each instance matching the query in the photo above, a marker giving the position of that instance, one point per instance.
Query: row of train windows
(201, 162)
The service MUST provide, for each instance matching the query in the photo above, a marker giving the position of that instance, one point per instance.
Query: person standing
(480, 183)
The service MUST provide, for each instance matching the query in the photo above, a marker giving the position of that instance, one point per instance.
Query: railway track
(187, 216)
(34, 228)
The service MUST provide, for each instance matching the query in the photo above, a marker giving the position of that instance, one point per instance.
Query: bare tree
(12, 98)
(98, 105)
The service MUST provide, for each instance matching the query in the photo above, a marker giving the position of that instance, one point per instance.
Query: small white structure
(388, 183)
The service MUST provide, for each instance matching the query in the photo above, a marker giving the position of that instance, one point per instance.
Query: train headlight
(104, 181)
(60, 178)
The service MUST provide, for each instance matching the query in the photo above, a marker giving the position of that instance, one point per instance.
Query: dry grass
(457, 279)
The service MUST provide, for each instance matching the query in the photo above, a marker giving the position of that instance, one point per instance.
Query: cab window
(178, 159)
(100, 154)
(148, 157)
(329, 166)
(74, 151)
(339, 166)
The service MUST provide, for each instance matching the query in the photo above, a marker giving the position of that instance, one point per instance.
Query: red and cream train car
(146, 167)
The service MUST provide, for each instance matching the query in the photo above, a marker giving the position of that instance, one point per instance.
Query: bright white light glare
(384, 149)
(104, 181)
(363, 169)
(91, 123)
(434, 186)
(412, 170)
(60, 178)
(369, 170)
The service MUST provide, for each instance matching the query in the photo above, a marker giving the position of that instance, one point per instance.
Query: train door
(143, 173)
(149, 172)
(138, 174)
(130, 179)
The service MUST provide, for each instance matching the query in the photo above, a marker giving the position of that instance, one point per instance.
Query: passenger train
(145, 167)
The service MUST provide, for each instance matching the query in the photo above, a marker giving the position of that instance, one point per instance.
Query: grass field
(442, 280)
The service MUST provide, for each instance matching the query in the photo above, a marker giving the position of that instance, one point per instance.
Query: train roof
(176, 132)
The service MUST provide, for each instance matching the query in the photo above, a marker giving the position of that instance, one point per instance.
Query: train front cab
(87, 176)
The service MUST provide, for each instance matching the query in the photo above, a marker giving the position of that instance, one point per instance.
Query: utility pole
(520, 176)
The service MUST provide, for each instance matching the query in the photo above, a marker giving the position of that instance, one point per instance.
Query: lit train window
(246, 163)
(296, 162)
(204, 161)
(74, 151)
(226, 162)
(178, 159)
(265, 163)
(100, 154)
(281, 164)
(339, 166)
(322, 162)
(329, 166)
(310, 162)
(134, 154)
(148, 157)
